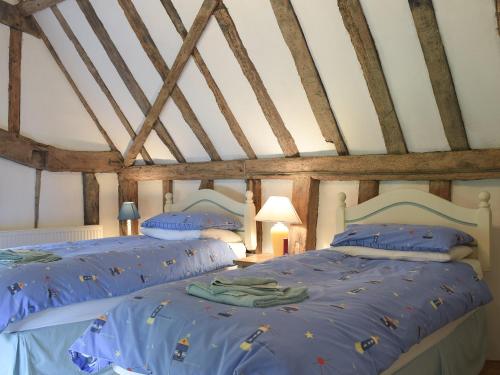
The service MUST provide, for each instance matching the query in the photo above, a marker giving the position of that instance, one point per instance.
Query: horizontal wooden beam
(11, 16)
(37, 155)
(31, 6)
(449, 165)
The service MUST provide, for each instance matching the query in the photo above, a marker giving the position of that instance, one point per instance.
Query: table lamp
(278, 210)
(128, 212)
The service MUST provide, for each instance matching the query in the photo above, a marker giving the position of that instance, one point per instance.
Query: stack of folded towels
(9, 257)
(247, 292)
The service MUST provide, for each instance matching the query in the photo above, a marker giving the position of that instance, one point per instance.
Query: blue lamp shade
(128, 211)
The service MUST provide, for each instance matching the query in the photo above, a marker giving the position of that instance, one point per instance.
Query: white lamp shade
(278, 209)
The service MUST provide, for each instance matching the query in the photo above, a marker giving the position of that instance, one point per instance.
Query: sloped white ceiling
(468, 30)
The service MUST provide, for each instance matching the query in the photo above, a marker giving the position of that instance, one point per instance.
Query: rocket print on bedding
(360, 316)
(88, 270)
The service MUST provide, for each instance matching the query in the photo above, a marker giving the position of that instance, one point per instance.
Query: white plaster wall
(108, 203)
(4, 76)
(50, 110)
(61, 200)
(17, 196)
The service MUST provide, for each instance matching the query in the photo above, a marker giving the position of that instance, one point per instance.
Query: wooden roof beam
(270, 111)
(25, 151)
(97, 77)
(121, 67)
(29, 7)
(189, 44)
(233, 124)
(159, 63)
(366, 51)
(448, 165)
(309, 75)
(439, 73)
(11, 16)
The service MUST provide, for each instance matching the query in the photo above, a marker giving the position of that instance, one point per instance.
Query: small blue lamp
(128, 212)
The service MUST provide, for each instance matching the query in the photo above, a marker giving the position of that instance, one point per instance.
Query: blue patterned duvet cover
(361, 315)
(103, 268)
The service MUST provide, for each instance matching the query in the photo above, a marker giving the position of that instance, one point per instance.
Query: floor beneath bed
(491, 368)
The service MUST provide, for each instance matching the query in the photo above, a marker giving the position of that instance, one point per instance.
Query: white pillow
(456, 253)
(170, 234)
(221, 234)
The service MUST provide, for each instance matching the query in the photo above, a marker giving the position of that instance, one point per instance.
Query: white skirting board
(47, 235)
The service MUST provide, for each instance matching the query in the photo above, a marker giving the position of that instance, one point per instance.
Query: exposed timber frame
(90, 199)
(449, 165)
(309, 75)
(15, 51)
(98, 79)
(441, 188)
(233, 124)
(11, 16)
(305, 199)
(171, 79)
(25, 151)
(269, 109)
(498, 15)
(28, 7)
(368, 189)
(255, 186)
(366, 51)
(427, 27)
(132, 85)
(128, 191)
(159, 63)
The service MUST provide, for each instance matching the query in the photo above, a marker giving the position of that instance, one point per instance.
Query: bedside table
(252, 259)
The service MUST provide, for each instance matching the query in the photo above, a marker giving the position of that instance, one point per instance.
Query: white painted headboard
(212, 201)
(418, 207)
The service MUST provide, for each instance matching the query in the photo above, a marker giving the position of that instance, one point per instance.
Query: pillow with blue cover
(402, 237)
(192, 221)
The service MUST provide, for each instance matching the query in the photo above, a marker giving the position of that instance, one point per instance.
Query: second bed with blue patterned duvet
(361, 315)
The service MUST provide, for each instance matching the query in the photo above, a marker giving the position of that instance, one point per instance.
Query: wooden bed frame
(210, 200)
(418, 207)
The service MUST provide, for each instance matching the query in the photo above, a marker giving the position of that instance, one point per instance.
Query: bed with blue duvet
(361, 315)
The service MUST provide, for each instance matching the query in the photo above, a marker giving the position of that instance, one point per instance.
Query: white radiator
(47, 235)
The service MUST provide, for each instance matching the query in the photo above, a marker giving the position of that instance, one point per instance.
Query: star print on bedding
(361, 315)
(89, 270)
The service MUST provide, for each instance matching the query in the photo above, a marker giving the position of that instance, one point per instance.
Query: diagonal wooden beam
(135, 90)
(233, 124)
(11, 16)
(366, 51)
(180, 61)
(439, 73)
(159, 63)
(73, 85)
(15, 52)
(309, 75)
(270, 111)
(28, 7)
(97, 77)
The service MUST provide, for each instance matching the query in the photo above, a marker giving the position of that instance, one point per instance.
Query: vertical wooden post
(305, 199)
(168, 187)
(15, 49)
(368, 189)
(441, 188)
(206, 184)
(128, 192)
(255, 186)
(38, 185)
(90, 199)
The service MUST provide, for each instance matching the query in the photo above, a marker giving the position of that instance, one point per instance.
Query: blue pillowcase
(192, 221)
(402, 237)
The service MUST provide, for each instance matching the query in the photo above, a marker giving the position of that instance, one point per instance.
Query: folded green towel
(247, 292)
(9, 257)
